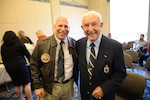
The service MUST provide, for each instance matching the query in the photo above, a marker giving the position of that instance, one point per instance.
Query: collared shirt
(68, 60)
(96, 48)
(139, 44)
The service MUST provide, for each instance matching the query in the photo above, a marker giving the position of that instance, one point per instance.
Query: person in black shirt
(13, 53)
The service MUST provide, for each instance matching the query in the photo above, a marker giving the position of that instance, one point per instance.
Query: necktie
(60, 66)
(92, 59)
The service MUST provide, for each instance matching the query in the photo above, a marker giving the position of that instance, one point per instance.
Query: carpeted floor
(146, 95)
(11, 95)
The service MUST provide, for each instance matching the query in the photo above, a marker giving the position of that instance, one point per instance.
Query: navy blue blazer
(109, 71)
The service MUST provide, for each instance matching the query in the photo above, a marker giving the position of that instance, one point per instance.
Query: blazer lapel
(102, 56)
(83, 57)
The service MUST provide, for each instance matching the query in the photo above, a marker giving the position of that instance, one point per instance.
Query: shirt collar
(96, 42)
(58, 40)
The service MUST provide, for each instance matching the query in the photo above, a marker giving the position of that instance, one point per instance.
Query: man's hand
(98, 92)
(40, 92)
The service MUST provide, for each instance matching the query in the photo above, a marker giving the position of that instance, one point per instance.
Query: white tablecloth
(4, 77)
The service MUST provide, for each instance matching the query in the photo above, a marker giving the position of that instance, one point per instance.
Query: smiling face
(61, 28)
(92, 26)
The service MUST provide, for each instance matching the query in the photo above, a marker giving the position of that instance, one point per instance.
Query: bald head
(62, 18)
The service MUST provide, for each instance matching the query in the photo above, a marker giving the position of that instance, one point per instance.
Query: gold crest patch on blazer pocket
(106, 69)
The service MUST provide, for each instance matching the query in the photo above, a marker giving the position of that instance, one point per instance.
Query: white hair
(94, 13)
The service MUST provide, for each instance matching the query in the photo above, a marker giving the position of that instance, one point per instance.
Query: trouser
(60, 92)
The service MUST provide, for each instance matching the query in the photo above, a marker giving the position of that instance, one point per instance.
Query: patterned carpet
(11, 95)
(146, 95)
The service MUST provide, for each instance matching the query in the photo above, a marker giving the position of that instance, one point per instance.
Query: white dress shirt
(68, 60)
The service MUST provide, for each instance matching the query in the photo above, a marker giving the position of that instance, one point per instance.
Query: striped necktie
(60, 67)
(92, 59)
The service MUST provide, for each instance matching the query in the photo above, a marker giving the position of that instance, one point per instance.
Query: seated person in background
(109, 35)
(23, 37)
(145, 54)
(148, 51)
(40, 35)
(141, 43)
(127, 45)
(141, 48)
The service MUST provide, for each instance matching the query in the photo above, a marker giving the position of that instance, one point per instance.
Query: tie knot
(61, 42)
(92, 44)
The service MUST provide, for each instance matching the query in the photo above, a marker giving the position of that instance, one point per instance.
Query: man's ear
(81, 26)
(101, 24)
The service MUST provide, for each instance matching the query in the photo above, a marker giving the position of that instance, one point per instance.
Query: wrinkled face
(61, 28)
(92, 26)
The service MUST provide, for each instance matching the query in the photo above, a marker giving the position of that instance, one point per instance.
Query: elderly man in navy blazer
(101, 71)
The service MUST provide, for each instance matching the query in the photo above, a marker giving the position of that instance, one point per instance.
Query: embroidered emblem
(45, 58)
(106, 69)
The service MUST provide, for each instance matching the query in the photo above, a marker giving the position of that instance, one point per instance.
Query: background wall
(75, 16)
(102, 6)
(25, 15)
(31, 15)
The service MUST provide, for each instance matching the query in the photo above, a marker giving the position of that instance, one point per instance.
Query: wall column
(55, 9)
(102, 6)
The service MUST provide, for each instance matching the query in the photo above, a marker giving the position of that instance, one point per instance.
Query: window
(128, 19)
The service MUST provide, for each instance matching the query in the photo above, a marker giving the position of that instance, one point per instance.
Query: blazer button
(90, 78)
(90, 83)
(88, 92)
